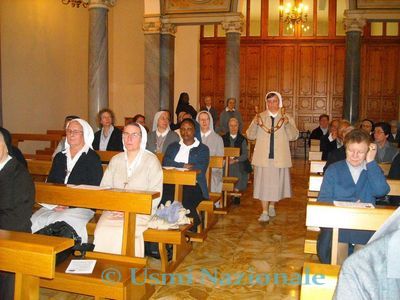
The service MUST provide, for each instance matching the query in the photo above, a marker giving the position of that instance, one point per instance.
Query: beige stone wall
(44, 62)
(187, 63)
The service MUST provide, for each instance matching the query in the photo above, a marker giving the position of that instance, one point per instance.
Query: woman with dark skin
(188, 153)
(183, 105)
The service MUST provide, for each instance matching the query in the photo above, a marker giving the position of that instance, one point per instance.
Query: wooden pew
(130, 203)
(310, 243)
(317, 166)
(229, 182)
(30, 257)
(105, 156)
(330, 216)
(315, 155)
(177, 237)
(54, 139)
(385, 168)
(326, 287)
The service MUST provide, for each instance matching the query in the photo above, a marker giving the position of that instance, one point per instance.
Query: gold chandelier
(292, 15)
(76, 3)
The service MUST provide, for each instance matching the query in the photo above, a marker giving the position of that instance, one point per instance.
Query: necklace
(275, 128)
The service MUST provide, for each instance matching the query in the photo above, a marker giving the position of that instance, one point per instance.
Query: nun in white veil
(214, 143)
(162, 135)
(77, 164)
(134, 169)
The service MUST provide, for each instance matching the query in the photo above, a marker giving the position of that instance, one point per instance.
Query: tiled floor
(241, 254)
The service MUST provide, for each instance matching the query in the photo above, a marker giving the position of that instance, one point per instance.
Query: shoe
(236, 200)
(271, 211)
(263, 218)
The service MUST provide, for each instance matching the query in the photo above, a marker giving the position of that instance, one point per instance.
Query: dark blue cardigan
(199, 157)
(338, 184)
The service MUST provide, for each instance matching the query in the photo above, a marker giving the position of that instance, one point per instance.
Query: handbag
(63, 229)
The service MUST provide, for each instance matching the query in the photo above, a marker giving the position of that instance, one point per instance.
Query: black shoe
(236, 200)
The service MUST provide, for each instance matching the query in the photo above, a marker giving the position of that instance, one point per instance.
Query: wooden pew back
(317, 166)
(330, 216)
(105, 156)
(54, 139)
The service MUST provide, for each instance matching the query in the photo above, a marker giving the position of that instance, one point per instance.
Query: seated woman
(356, 179)
(214, 143)
(108, 138)
(77, 164)
(240, 166)
(191, 154)
(134, 169)
(161, 136)
(17, 197)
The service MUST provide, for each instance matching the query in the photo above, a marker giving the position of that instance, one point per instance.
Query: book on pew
(81, 266)
(89, 187)
(178, 169)
(353, 204)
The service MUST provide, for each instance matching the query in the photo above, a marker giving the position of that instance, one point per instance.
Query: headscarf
(278, 95)
(88, 135)
(209, 115)
(156, 117)
(143, 140)
(7, 139)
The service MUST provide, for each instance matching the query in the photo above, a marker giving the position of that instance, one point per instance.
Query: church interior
(75, 57)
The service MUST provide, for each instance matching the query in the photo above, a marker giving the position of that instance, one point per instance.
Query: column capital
(168, 28)
(152, 25)
(100, 3)
(233, 24)
(354, 23)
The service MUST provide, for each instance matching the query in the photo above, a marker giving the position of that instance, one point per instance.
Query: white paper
(90, 187)
(353, 204)
(48, 206)
(178, 169)
(81, 266)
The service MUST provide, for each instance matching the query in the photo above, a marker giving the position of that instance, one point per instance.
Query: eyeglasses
(132, 135)
(73, 132)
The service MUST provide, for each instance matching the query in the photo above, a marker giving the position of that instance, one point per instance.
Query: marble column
(167, 71)
(98, 57)
(354, 28)
(232, 58)
(152, 29)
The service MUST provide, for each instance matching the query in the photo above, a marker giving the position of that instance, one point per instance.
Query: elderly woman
(108, 138)
(134, 169)
(189, 153)
(240, 166)
(356, 179)
(272, 131)
(228, 113)
(214, 143)
(394, 137)
(77, 164)
(17, 197)
(161, 136)
(368, 126)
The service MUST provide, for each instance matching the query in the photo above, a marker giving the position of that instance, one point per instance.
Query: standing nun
(272, 130)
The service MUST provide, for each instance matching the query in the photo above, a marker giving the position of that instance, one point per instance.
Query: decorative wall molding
(152, 25)
(373, 14)
(355, 23)
(101, 3)
(378, 4)
(233, 24)
(168, 28)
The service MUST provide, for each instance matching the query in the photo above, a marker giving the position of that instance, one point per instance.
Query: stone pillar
(354, 28)
(167, 70)
(152, 29)
(233, 28)
(98, 57)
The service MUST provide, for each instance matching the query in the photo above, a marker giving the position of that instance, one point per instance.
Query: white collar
(195, 144)
(273, 115)
(233, 136)
(5, 162)
(159, 134)
(227, 109)
(206, 134)
(208, 107)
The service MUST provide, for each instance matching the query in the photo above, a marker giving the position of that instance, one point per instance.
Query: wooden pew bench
(53, 139)
(130, 203)
(325, 288)
(310, 243)
(176, 237)
(30, 257)
(317, 166)
(228, 182)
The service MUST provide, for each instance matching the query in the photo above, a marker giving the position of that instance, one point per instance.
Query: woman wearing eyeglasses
(358, 178)
(134, 169)
(77, 164)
